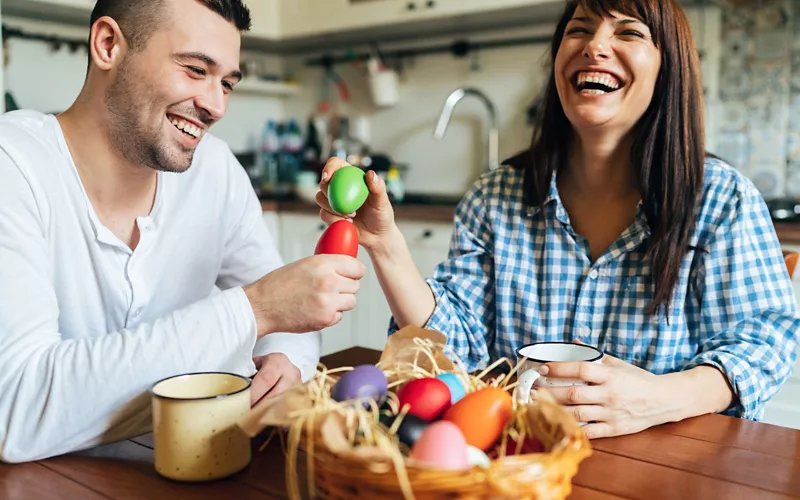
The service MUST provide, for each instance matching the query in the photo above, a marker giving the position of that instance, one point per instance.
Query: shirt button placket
(584, 323)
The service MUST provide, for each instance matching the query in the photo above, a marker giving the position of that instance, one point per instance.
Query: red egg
(481, 416)
(427, 397)
(341, 238)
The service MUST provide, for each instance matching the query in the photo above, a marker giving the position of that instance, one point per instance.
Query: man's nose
(214, 102)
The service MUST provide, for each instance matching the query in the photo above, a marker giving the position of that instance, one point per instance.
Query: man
(131, 243)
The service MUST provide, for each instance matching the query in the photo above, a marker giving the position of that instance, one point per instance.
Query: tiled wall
(759, 112)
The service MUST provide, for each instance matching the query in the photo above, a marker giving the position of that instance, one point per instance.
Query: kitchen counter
(402, 211)
(788, 232)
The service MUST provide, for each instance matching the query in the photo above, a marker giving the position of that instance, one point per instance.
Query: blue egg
(363, 382)
(453, 383)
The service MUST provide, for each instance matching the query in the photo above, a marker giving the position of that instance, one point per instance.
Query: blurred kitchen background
(431, 93)
(368, 79)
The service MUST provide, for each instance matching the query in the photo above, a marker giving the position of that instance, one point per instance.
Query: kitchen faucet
(494, 134)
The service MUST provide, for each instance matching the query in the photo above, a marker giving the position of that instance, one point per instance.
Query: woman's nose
(598, 48)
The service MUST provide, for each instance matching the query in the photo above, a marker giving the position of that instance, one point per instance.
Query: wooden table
(706, 457)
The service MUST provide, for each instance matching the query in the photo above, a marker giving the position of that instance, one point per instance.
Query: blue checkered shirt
(516, 275)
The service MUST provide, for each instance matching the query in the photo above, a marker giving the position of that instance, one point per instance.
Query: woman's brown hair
(668, 150)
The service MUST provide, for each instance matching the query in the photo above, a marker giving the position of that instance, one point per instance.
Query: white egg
(477, 457)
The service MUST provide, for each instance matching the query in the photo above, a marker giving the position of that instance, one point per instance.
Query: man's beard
(134, 141)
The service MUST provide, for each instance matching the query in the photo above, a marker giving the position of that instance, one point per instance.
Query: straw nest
(350, 454)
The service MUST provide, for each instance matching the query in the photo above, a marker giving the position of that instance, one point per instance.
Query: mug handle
(525, 385)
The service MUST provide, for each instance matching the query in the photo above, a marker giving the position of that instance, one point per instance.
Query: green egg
(347, 190)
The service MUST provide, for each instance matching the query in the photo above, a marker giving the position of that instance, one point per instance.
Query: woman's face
(605, 71)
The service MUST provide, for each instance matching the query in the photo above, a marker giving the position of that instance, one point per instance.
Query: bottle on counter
(290, 156)
(395, 188)
(268, 158)
(312, 148)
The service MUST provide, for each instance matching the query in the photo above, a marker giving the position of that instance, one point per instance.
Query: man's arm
(57, 395)
(250, 253)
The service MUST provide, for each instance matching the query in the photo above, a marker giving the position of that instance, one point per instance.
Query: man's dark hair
(138, 19)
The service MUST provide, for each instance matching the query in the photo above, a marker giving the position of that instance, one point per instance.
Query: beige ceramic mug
(195, 426)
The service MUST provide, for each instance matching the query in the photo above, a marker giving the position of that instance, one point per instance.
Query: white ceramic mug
(195, 426)
(532, 356)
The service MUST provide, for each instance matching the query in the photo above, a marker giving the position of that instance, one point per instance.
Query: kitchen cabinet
(298, 238)
(71, 11)
(367, 324)
(86, 5)
(318, 17)
(265, 19)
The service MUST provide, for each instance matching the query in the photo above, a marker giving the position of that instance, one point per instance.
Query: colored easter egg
(427, 397)
(410, 428)
(347, 190)
(457, 390)
(442, 445)
(478, 458)
(363, 382)
(341, 238)
(481, 416)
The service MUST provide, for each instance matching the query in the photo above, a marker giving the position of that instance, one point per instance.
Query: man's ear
(107, 44)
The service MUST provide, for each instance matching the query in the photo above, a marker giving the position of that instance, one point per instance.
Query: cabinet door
(299, 235)
(428, 242)
(265, 16)
(78, 4)
(463, 7)
(272, 220)
(315, 17)
(71, 10)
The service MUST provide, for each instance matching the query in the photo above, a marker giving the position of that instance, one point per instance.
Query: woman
(615, 230)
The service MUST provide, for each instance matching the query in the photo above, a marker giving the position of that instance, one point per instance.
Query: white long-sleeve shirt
(87, 325)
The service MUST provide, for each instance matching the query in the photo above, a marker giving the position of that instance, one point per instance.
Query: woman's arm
(458, 301)
(409, 296)
(749, 319)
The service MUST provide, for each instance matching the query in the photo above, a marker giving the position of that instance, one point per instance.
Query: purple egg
(363, 382)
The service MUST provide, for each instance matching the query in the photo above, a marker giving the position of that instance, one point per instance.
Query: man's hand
(622, 398)
(275, 374)
(305, 296)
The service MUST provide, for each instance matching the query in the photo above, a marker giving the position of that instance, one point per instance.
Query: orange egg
(481, 416)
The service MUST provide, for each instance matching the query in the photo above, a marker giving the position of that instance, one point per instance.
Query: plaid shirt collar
(634, 236)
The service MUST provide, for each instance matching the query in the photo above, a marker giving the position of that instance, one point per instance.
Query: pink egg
(442, 445)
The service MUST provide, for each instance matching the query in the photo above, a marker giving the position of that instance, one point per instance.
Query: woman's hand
(623, 398)
(374, 220)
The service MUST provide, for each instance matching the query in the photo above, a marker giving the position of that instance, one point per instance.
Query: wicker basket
(350, 454)
(539, 476)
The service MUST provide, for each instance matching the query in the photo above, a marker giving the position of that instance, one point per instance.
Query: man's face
(166, 96)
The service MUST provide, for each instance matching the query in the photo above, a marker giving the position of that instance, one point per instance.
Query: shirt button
(594, 274)
(586, 331)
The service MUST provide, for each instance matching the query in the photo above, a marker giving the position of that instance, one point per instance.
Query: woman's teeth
(186, 127)
(594, 83)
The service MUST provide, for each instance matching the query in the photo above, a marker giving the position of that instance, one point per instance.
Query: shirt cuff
(746, 387)
(303, 350)
(439, 320)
